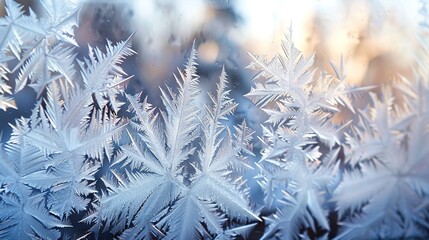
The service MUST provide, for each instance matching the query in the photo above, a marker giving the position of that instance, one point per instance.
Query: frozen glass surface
(214, 119)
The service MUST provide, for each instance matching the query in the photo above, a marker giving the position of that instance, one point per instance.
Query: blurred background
(377, 38)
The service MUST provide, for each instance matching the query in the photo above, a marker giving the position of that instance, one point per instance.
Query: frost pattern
(43, 47)
(182, 171)
(295, 174)
(48, 165)
(168, 190)
(23, 214)
(390, 164)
